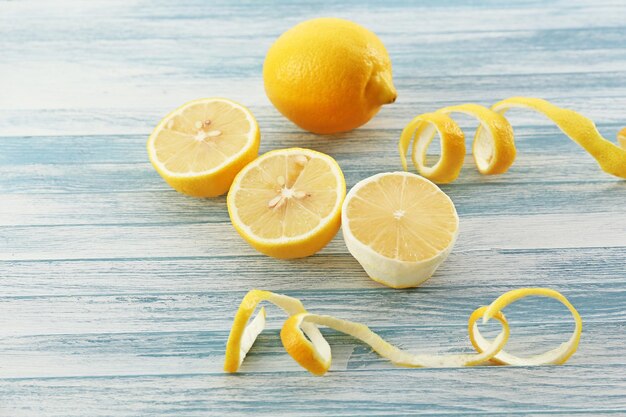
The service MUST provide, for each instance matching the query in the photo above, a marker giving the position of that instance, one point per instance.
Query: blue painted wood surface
(117, 293)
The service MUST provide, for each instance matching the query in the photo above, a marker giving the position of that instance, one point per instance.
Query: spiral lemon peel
(556, 356)
(494, 146)
(304, 342)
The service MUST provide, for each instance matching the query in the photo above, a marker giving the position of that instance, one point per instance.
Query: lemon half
(287, 203)
(400, 227)
(200, 147)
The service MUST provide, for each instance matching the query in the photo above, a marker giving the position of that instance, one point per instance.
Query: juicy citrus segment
(304, 342)
(555, 356)
(212, 131)
(401, 217)
(399, 226)
(199, 148)
(494, 149)
(287, 203)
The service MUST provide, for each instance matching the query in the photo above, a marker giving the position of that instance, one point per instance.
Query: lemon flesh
(287, 203)
(400, 227)
(199, 148)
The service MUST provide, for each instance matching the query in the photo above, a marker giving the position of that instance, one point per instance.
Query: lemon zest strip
(305, 343)
(558, 355)
(493, 147)
(422, 128)
(242, 335)
(302, 350)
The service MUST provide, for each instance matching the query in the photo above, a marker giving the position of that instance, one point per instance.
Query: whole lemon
(328, 75)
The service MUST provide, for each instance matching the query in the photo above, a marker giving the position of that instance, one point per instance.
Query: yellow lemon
(287, 202)
(328, 75)
(400, 227)
(200, 147)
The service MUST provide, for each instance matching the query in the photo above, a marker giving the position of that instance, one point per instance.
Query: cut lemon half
(400, 227)
(200, 147)
(287, 203)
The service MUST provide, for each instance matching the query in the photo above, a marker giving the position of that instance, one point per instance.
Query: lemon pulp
(199, 148)
(402, 217)
(400, 227)
(287, 202)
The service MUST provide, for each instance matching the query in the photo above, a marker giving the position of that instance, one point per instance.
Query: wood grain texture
(117, 293)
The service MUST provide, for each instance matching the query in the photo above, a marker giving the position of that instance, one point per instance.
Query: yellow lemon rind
(494, 142)
(421, 130)
(241, 330)
(493, 147)
(556, 356)
(328, 75)
(621, 138)
(305, 343)
(580, 129)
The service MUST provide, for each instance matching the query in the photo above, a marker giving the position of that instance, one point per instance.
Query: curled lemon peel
(556, 356)
(306, 344)
(423, 129)
(242, 335)
(494, 147)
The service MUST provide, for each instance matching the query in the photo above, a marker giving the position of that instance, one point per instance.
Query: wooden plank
(202, 352)
(167, 206)
(141, 120)
(533, 136)
(220, 239)
(147, 55)
(488, 269)
(486, 391)
(213, 310)
(103, 178)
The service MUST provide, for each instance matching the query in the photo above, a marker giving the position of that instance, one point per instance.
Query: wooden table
(117, 293)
